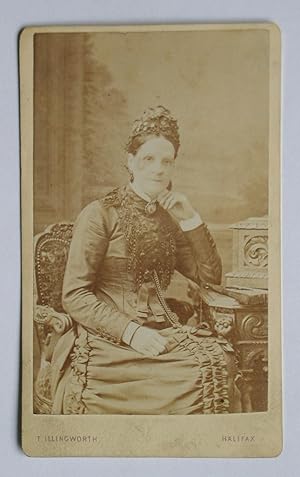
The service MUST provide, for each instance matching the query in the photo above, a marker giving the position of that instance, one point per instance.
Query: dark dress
(116, 250)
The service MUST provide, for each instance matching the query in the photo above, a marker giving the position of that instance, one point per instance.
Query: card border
(150, 435)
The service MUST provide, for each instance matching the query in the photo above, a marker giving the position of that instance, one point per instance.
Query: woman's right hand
(148, 342)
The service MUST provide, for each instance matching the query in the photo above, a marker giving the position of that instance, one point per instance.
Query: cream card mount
(151, 292)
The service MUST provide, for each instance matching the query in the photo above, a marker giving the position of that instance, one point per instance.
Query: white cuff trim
(129, 331)
(190, 224)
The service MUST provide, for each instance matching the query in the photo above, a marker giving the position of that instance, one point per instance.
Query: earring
(131, 177)
(169, 186)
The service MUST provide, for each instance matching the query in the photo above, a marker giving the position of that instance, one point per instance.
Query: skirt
(194, 376)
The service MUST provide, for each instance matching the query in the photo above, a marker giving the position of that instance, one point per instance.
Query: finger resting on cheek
(163, 195)
(170, 202)
(163, 201)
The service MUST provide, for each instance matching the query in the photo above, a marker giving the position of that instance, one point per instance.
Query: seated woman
(131, 354)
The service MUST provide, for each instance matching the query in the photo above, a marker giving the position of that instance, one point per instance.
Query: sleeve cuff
(190, 224)
(129, 332)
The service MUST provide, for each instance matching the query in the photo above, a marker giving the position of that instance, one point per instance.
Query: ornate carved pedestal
(246, 327)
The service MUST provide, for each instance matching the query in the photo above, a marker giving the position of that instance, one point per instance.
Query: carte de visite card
(151, 287)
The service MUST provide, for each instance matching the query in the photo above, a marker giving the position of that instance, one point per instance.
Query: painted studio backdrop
(89, 88)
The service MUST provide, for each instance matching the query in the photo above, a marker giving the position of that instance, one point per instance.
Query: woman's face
(152, 166)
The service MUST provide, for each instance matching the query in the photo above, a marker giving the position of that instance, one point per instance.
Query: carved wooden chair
(50, 320)
(237, 318)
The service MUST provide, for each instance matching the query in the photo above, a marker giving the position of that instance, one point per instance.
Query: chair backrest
(50, 256)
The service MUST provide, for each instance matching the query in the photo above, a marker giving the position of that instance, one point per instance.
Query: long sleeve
(197, 257)
(87, 251)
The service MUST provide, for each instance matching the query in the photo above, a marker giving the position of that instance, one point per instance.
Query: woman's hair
(156, 121)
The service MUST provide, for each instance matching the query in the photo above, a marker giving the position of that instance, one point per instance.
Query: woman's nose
(158, 168)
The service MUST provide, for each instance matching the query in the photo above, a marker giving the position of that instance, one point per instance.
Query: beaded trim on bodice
(150, 237)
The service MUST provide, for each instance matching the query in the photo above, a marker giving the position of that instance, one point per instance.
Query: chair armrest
(47, 316)
(49, 326)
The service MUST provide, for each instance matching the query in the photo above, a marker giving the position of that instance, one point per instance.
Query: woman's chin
(155, 189)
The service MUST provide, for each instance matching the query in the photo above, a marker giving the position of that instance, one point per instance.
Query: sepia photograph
(151, 176)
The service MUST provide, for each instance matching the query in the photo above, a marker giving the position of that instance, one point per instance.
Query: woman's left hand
(177, 205)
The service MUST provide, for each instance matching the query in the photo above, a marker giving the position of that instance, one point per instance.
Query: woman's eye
(168, 162)
(148, 158)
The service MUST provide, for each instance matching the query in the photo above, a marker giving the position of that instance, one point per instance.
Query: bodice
(117, 250)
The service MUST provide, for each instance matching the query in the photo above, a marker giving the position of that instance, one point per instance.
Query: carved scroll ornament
(254, 326)
(256, 251)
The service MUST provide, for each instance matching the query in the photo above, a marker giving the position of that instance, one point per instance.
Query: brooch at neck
(151, 207)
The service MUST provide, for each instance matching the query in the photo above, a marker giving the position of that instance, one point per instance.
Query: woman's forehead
(158, 146)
